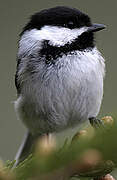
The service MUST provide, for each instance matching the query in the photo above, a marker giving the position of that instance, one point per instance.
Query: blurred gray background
(13, 16)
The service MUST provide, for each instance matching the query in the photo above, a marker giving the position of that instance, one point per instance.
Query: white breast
(64, 95)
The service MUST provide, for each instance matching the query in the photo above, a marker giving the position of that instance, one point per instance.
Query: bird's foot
(95, 122)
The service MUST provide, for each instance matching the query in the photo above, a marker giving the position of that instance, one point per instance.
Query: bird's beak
(96, 27)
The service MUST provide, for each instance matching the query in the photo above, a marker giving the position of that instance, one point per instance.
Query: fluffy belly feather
(68, 94)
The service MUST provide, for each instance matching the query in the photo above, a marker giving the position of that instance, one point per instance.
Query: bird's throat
(51, 53)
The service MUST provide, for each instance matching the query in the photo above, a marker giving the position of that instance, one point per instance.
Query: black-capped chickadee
(59, 77)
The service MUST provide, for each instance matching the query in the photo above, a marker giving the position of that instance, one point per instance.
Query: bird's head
(63, 28)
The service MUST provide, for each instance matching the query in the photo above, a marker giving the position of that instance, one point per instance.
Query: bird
(59, 75)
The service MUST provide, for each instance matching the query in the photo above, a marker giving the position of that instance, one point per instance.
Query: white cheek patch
(57, 36)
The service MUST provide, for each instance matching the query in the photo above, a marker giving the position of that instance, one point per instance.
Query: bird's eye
(71, 24)
(65, 25)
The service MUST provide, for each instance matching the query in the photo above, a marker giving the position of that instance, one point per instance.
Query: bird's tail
(25, 148)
